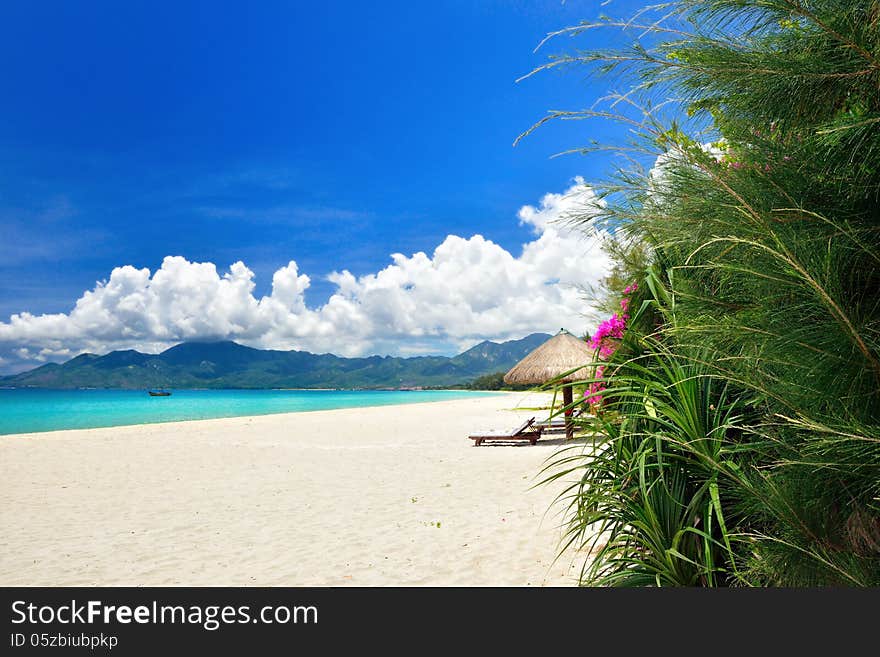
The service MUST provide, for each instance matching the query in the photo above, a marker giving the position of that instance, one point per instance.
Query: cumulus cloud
(466, 290)
(659, 175)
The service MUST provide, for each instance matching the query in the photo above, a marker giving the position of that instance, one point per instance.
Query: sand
(382, 496)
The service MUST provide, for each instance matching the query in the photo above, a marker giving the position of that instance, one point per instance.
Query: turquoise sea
(29, 410)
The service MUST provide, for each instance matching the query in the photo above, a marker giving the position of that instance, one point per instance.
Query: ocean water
(31, 410)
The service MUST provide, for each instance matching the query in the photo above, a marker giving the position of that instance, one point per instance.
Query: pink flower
(613, 327)
(593, 393)
(604, 340)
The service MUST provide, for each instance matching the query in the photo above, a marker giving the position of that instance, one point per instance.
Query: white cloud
(467, 290)
(664, 165)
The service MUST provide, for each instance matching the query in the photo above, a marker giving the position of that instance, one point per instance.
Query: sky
(335, 177)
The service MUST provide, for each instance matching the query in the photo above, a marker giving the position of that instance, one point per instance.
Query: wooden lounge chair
(558, 422)
(526, 431)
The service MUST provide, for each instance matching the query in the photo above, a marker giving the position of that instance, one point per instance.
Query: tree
(749, 378)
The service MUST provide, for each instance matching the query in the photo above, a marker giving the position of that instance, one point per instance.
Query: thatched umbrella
(561, 354)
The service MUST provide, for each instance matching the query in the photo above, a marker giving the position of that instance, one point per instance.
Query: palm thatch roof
(560, 354)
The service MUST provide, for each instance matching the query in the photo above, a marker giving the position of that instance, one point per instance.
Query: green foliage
(742, 415)
(494, 381)
(630, 258)
(647, 500)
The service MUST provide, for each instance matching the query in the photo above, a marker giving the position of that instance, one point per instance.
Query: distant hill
(231, 365)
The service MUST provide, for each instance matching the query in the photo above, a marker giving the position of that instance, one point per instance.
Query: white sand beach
(382, 496)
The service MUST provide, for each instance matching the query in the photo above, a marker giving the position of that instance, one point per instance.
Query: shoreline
(477, 394)
(368, 496)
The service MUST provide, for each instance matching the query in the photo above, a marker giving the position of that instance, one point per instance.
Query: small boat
(159, 393)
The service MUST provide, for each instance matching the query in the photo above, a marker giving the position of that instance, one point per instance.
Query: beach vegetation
(494, 381)
(739, 414)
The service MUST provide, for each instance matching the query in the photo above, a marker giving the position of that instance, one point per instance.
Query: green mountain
(231, 365)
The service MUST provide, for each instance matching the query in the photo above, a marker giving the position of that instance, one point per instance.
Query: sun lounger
(558, 422)
(526, 431)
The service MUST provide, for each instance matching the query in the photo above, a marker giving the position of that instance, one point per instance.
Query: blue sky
(331, 134)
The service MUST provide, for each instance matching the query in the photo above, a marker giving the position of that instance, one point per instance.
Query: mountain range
(231, 365)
